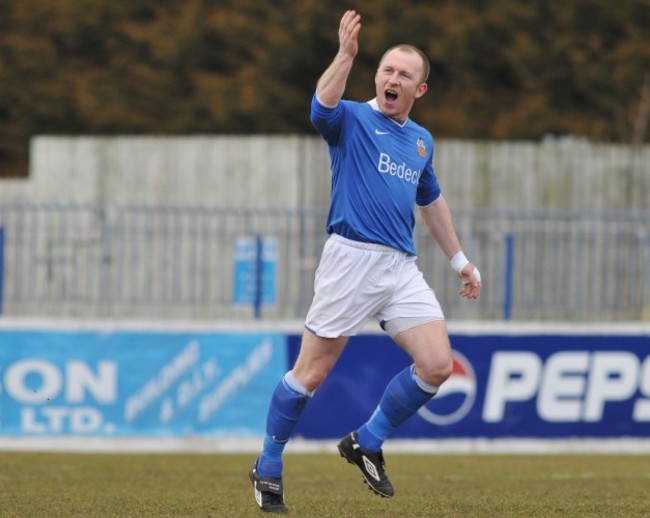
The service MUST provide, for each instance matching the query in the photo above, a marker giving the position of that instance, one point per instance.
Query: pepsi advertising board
(133, 383)
(503, 386)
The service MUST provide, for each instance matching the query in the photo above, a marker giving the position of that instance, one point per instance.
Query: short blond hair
(406, 47)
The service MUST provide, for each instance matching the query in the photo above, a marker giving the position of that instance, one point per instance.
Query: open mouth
(390, 95)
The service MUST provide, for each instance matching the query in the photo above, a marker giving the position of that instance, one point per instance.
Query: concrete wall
(293, 172)
(255, 171)
(559, 173)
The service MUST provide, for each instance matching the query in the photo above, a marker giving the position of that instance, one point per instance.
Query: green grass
(323, 485)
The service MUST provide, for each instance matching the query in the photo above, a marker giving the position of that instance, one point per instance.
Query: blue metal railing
(508, 274)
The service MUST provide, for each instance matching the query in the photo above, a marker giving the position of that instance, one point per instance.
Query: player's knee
(435, 371)
(312, 378)
(446, 370)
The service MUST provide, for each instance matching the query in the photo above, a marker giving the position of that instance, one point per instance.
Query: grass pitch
(324, 485)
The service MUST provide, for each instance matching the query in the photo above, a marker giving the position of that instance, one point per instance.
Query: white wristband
(458, 262)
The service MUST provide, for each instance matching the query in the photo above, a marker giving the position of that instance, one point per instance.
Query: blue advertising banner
(129, 383)
(503, 386)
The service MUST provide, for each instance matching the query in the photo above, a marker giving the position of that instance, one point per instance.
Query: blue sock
(404, 396)
(286, 407)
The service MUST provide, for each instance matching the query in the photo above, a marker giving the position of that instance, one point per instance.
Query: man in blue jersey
(382, 166)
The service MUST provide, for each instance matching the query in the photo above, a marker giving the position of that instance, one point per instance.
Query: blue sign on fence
(137, 383)
(2, 268)
(255, 276)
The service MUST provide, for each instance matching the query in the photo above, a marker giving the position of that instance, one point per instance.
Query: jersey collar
(375, 106)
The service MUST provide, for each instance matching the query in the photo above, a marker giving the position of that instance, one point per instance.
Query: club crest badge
(422, 149)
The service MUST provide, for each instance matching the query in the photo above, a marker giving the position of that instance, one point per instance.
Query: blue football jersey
(380, 170)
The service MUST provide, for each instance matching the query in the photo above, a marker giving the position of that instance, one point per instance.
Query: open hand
(471, 288)
(349, 32)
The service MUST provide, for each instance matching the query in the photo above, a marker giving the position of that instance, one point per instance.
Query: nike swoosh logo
(377, 132)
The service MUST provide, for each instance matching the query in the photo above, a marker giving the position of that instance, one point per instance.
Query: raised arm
(437, 218)
(331, 85)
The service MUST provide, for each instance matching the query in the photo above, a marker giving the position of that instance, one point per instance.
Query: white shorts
(358, 281)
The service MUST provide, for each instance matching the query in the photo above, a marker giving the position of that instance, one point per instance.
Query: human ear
(421, 90)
